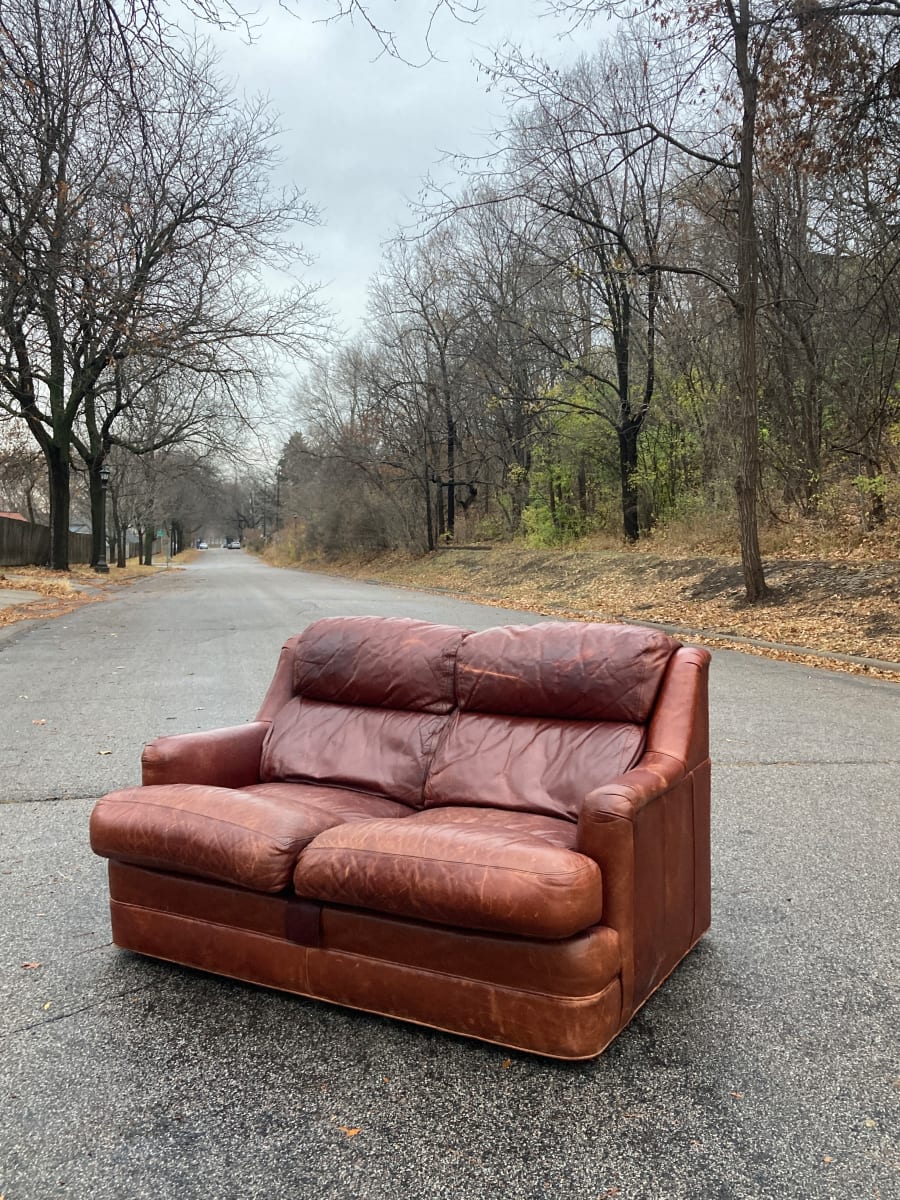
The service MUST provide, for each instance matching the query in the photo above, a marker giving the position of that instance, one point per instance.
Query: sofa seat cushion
(478, 876)
(250, 837)
(548, 829)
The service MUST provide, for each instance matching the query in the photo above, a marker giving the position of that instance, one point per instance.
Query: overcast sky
(361, 131)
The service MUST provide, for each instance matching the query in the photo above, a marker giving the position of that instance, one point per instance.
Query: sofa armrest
(626, 795)
(219, 757)
(648, 830)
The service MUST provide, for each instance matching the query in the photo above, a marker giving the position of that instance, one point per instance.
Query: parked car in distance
(232, 545)
(202, 546)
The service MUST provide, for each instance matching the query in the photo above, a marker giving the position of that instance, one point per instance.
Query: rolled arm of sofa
(219, 757)
(648, 830)
(611, 832)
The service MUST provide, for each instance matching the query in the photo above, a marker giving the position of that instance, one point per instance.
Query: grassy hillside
(826, 595)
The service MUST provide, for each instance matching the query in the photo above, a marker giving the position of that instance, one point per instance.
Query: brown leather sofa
(502, 834)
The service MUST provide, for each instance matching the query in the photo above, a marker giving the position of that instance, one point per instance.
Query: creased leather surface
(373, 749)
(586, 672)
(220, 757)
(237, 837)
(401, 913)
(649, 831)
(482, 878)
(386, 662)
(528, 763)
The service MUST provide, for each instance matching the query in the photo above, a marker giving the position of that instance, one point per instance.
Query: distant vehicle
(232, 545)
(202, 546)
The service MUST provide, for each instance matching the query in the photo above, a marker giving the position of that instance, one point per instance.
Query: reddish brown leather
(234, 952)
(556, 1026)
(680, 723)
(528, 763)
(251, 840)
(573, 744)
(584, 672)
(220, 757)
(372, 749)
(345, 804)
(384, 662)
(202, 899)
(560, 1027)
(578, 966)
(478, 878)
(649, 832)
(281, 689)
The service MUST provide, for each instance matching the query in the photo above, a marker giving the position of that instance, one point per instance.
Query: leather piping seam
(555, 997)
(352, 954)
(230, 927)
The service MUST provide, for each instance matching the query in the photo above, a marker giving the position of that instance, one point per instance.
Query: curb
(876, 664)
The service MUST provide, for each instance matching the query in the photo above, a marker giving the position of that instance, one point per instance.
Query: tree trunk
(747, 483)
(97, 499)
(426, 484)
(149, 531)
(451, 475)
(58, 484)
(628, 432)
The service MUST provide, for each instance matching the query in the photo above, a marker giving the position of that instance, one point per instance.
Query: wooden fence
(23, 544)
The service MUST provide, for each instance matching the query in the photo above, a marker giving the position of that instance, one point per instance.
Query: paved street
(767, 1066)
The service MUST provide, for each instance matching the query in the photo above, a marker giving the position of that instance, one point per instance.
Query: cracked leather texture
(478, 877)
(250, 838)
(592, 672)
(528, 763)
(393, 662)
(373, 749)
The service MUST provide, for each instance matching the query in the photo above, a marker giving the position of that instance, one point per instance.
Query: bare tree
(136, 223)
(744, 63)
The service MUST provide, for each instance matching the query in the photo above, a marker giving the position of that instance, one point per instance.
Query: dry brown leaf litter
(838, 605)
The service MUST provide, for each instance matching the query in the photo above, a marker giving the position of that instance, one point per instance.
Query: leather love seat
(502, 834)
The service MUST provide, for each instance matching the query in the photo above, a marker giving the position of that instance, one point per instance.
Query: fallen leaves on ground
(63, 592)
(837, 605)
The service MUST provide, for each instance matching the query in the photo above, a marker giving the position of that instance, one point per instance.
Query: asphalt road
(767, 1066)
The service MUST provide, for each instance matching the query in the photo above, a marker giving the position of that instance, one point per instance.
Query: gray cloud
(359, 135)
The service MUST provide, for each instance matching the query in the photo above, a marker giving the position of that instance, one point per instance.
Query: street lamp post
(101, 565)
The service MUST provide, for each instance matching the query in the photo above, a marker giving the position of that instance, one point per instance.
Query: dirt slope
(842, 606)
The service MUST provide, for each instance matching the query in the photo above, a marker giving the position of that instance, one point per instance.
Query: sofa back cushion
(371, 700)
(546, 713)
(588, 672)
(379, 662)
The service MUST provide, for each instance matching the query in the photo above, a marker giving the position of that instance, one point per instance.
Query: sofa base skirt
(194, 924)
